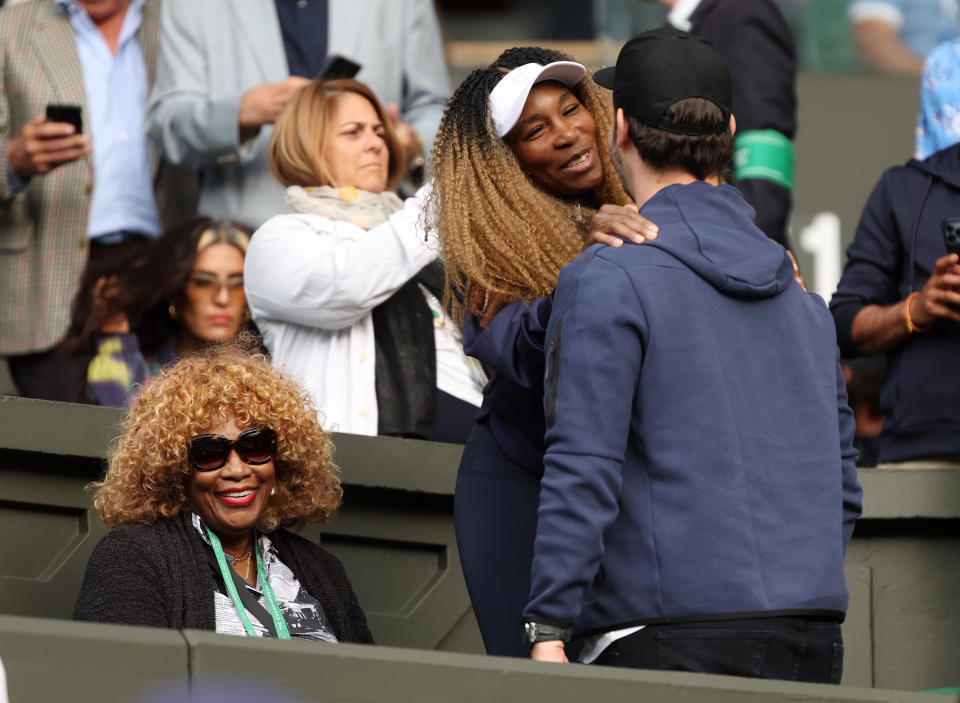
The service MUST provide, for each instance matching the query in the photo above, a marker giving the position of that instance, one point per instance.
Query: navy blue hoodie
(894, 251)
(700, 457)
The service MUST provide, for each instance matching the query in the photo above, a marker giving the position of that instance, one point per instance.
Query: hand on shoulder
(612, 224)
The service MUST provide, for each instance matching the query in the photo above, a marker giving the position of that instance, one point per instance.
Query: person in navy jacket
(521, 171)
(900, 296)
(699, 487)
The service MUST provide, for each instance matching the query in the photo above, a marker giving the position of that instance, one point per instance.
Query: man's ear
(623, 129)
(733, 125)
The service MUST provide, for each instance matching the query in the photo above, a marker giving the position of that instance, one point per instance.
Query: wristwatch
(534, 632)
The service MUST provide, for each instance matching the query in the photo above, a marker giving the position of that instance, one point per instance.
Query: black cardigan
(158, 576)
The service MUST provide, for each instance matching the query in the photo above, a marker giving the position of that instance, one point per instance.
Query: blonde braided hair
(503, 237)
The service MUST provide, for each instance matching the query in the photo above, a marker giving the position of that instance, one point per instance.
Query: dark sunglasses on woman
(208, 452)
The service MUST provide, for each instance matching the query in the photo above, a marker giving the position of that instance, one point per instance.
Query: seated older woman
(343, 284)
(221, 455)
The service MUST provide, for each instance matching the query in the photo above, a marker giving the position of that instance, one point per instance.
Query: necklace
(272, 606)
(245, 557)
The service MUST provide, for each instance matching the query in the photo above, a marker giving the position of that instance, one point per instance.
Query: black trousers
(495, 516)
(789, 648)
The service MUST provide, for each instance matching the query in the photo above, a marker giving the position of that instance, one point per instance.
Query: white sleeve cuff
(876, 10)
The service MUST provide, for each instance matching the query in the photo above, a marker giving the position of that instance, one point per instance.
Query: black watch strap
(534, 632)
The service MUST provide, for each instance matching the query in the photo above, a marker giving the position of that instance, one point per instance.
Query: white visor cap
(510, 94)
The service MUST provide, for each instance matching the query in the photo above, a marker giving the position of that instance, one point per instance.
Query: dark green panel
(36, 537)
(401, 464)
(858, 655)
(412, 568)
(57, 428)
(916, 609)
(400, 553)
(358, 674)
(51, 661)
(48, 529)
(464, 636)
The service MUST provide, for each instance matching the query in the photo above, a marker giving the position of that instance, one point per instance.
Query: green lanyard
(278, 622)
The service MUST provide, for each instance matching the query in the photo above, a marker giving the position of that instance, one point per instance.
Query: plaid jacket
(43, 229)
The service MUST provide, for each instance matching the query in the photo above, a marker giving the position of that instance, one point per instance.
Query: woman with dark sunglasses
(183, 293)
(221, 455)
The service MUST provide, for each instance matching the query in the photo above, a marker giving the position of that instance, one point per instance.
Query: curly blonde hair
(504, 238)
(148, 468)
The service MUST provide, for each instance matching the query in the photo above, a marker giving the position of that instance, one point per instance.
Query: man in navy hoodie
(900, 296)
(700, 487)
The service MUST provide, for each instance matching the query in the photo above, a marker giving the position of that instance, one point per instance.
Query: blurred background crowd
(123, 243)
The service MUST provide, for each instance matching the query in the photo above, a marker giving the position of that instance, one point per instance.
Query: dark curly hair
(146, 286)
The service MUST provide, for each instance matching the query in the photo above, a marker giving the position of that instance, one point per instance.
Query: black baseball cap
(663, 66)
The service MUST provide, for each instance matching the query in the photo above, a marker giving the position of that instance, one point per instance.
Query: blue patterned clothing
(938, 125)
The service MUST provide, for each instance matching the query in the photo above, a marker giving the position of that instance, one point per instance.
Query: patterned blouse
(303, 614)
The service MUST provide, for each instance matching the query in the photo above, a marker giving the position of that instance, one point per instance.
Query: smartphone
(70, 114)
(338, 67)
(951, 234)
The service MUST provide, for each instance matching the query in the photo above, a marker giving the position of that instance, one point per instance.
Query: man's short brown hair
(701, 155)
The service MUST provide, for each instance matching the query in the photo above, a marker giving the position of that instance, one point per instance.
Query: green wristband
(766, 154)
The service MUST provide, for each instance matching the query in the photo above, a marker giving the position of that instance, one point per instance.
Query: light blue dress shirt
(116, 90)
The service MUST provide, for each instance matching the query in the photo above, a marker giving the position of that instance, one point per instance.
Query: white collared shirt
(679, 15)
(116, 89)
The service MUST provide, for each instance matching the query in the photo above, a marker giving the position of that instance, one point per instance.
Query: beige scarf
(359, 207)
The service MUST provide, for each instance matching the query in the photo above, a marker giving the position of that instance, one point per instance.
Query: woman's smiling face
(231, 499)
(555, 141)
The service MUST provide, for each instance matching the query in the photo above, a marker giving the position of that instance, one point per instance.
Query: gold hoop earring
(173, 311)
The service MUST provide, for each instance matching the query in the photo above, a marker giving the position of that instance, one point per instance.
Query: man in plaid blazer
(47, 179)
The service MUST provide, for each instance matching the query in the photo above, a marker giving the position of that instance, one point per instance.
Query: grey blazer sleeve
(424, 72)
(191, 128)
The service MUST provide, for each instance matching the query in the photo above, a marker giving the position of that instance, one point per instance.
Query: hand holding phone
(43, 145)
(71, 114)
(940, 295)
(951, 234)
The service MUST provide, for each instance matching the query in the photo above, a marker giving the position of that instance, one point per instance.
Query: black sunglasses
(208, 452)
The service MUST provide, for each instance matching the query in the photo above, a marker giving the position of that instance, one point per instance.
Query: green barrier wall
(395, 536)
(396, 519)
(52, 661)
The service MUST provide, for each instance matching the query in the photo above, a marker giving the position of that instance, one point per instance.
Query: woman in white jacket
(344, 286)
